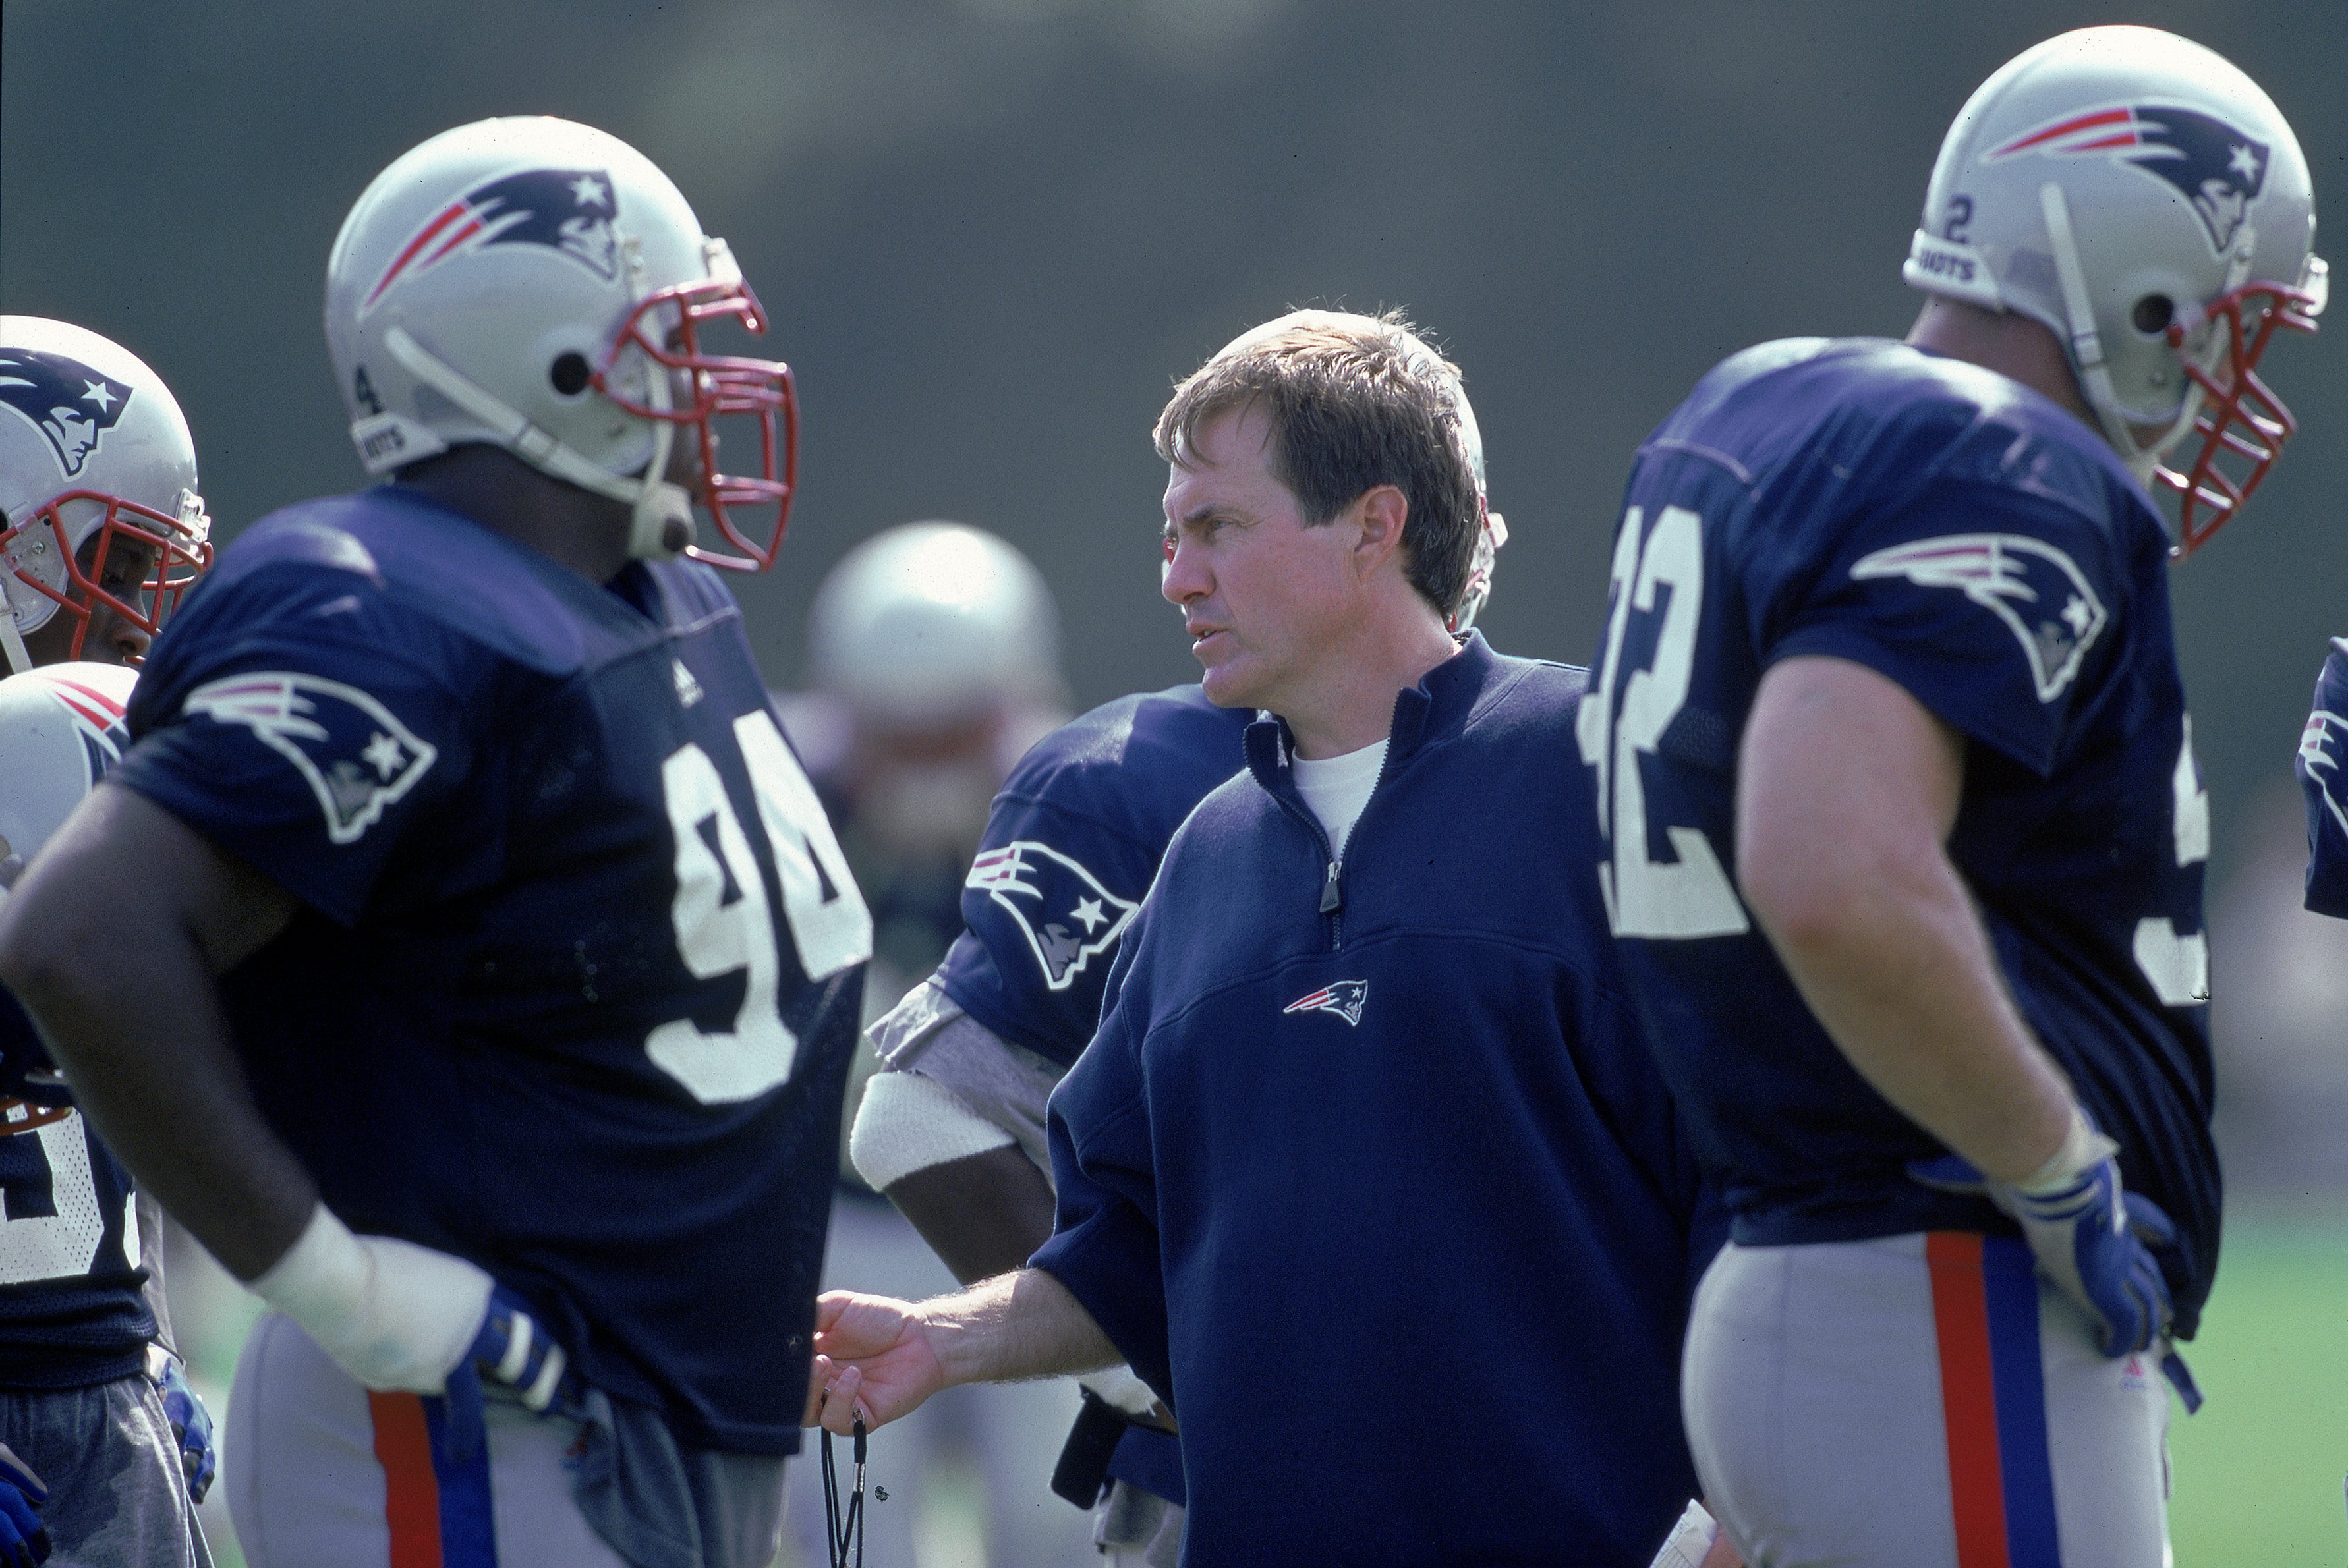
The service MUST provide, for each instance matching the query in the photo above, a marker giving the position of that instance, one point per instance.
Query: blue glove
(2078, 1230)
(24, 1539)
(513, 1349)
(192, 1424)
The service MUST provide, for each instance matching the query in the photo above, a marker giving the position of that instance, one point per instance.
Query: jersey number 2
(1645, 897)
(724, 923)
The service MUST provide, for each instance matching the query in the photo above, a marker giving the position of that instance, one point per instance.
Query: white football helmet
(2141, 197)
(61, 728)
(538, 286)
(927, 626)
(92, 447)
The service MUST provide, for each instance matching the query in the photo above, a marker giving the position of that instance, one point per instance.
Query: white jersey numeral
(63, 1245)
(2178, 966)
(724, 922)
(1690, 896)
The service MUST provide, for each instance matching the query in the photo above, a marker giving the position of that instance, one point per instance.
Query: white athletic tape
(1690, 1538)
(910, 1123)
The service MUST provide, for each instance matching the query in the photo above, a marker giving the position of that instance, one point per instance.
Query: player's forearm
(984, 1215)
(1906, 987)
(1016, 1325)
(1846, 791)
(145, 1044)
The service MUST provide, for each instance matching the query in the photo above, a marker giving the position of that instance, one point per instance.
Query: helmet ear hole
(2152, 314)
(570, 373)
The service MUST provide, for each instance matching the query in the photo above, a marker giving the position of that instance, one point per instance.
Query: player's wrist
(323, 1278)
(2082, 1149)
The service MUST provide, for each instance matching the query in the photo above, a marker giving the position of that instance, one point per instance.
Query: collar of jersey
(1436, 707)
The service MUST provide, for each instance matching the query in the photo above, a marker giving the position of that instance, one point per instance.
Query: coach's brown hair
(1354, 402)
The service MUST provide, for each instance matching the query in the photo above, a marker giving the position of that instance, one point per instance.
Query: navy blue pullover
(1350, 1134)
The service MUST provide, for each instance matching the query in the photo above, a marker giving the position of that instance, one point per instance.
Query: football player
(2322, 746)
(1361, 1083)
(933, 648)
(103, 530)
(499, 969)
(1904, 831)
(953, 1130)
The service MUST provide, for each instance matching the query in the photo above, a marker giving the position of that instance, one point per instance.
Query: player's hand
(873, 1360)
(397, 1316)
(2076, 1223)
(24, 1539)
(192, 1424)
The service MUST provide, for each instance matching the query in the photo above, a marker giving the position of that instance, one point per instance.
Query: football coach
(1368, 1129)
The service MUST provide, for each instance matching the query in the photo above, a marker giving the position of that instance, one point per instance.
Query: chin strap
(2087, 346)
(660, 522)
(11, 640)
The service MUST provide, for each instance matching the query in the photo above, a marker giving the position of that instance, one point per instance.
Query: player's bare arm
(153, 1061)
(1846, 791)
(877, 1358)
(984, 1215)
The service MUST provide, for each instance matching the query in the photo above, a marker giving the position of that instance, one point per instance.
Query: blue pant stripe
(2011, 1283)
(468, 1537)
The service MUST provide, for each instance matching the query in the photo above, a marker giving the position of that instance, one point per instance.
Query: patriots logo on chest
(2037, 591)
(2321, 746)
(1345, 998)
(355, 755)
(1066, 916)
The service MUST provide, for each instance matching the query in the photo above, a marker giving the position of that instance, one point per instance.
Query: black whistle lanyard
(844, 1527)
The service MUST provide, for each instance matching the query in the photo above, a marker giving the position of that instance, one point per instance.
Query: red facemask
(2247, 423)
(722, 387)
(179, 555)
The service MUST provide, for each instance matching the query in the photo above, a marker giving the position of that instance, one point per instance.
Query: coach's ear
(1379, 512)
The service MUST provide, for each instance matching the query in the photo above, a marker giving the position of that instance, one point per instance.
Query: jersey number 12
(724, 920)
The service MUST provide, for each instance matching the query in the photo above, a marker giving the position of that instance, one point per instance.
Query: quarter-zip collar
(1438, 706)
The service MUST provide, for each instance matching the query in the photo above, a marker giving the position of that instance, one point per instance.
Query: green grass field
(2258, 1473)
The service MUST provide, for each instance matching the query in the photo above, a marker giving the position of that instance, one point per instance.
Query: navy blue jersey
(1071, 848)
(576, 979)
(1968, 539)
(73, 1306)
(1073, 841)
(2323, 747)
(1331, 1126)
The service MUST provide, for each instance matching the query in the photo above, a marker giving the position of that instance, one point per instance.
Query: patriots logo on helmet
(2040, 593)
(98, 719)
(1066, 916)
(2321, 746)
(2219, 169)
(1343, 997)
(354, 755)
(565, 209)
(70, 404)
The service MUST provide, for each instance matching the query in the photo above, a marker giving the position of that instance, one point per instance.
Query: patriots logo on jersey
(2040, 593)
(67, 402)
(1343, 997)
(2219, 169)
(1066, 916)
(2321, 746)
(565, 209)
(356, 758)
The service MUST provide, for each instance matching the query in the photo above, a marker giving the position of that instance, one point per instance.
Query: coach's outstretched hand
(874, 1360)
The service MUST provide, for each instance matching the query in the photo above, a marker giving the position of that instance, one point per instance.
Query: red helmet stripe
(447, 215)
(2070, 126)
(92, 692)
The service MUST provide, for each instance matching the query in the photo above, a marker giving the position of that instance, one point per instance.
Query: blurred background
(992, 232)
